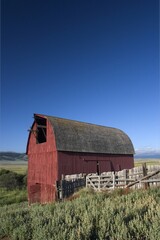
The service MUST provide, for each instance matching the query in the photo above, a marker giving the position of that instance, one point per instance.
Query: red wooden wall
(42, 168)
(74, 163)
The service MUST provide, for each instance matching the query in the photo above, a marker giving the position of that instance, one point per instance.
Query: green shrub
(4, 171)
(91, 216)
(11, 180)
(12, 196)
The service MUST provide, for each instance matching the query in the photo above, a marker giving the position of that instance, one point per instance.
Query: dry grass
(15, 167)
(149, 161)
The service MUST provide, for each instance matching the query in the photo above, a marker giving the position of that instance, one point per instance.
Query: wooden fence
(68, 185)
(138, 177)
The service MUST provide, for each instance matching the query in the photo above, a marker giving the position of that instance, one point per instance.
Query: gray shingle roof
(77, 136)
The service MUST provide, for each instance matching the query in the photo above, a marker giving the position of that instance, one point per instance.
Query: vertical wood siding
(75, 163)
(42, 168)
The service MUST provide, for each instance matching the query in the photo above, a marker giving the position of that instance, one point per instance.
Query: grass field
(12, 196)
(15, 166)
(148, 161)
(120, 215)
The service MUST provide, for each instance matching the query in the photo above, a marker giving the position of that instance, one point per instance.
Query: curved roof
(77, 136)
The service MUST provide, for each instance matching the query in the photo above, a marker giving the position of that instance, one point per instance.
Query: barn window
(41, 130)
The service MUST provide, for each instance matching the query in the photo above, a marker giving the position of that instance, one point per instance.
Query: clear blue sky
(92, 61)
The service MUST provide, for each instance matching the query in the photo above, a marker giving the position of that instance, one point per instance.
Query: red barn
(59, 146)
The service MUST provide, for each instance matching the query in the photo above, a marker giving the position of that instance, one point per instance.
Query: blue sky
(92, 61)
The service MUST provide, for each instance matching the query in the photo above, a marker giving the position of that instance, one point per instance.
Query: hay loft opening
(41, 130)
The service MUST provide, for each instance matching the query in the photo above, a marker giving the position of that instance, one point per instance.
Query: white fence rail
(138, 177)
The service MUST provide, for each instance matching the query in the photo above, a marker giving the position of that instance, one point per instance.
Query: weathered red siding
(75, 163)
(42, 168)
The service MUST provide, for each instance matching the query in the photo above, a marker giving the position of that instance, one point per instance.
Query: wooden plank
(123, 178)
(41, 126)
(126, 176)
(143, 178)
(90, 182)
(150, 181)
(113, 180)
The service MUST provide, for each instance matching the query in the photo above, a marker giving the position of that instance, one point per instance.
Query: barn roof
(75, 136)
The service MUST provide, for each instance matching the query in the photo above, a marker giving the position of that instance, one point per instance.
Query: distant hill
(156, 156)
(147, 153)
(13, 156)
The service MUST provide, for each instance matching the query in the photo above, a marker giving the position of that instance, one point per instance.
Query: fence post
(113, 180)
(126, 172)
(99, 183)
(61, 187)
(144, 168)
(86, 181)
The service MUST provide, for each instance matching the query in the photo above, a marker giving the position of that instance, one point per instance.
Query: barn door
(35, 193)
(92, 166)
(97, 166)
(105, 166)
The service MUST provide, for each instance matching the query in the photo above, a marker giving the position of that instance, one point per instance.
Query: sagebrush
(135, 215)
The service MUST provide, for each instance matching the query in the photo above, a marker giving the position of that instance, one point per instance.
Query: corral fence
(138, 177)
(70, 184)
